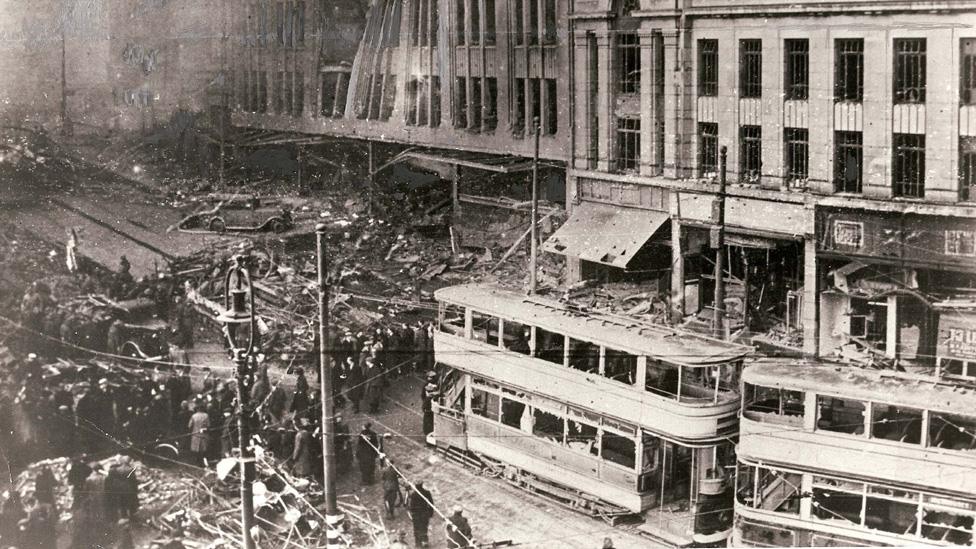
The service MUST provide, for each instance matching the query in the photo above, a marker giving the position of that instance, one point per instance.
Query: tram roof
(616, 332)
(841, 380)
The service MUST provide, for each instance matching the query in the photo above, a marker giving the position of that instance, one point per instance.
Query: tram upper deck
(671, 382)
(862, 423)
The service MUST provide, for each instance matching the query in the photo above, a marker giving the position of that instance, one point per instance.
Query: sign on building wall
(957, 335)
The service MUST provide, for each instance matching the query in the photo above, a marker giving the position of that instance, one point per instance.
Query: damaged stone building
(850, 153)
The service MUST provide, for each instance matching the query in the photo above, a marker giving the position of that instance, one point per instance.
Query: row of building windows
(909, 71)
(908, 159)
(476, 108)
(425, 23)
(288, 24)
(472, 28)
(535, 22)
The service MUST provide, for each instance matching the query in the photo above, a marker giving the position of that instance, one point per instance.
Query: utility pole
(719, 245)
(372, 177)
(534, 249)
(65, 123)
(241, 360)
(332, 515)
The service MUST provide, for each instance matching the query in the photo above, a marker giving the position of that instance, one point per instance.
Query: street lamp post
(238, 311)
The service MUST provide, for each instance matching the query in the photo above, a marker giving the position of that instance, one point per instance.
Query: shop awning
(605, 234)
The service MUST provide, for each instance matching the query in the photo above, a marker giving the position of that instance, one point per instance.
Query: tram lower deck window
(581, 436)
(547, 426)
(897, 517)
(485, 404)
(618, 449)
(512, 412)
(948, 526)
(840, 415)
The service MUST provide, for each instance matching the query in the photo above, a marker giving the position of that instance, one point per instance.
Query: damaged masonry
(469, 273)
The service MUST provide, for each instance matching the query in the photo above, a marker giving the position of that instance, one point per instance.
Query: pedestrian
(421, 507)
(44, 486)
(199, 427)
(78, 473)
(430, 393)
(299, 400)
(372, 389)
(607, 543)
(458, 530)
(301, 456)
(354, 383)
(343, 446)
(391, 488)
(366, 452)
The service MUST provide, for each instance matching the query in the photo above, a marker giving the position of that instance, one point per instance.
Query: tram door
(677, 472)
(449, 425)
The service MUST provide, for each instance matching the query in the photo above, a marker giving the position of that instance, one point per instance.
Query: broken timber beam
(519, 241)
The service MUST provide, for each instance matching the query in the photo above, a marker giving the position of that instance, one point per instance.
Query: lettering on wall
(141, 56)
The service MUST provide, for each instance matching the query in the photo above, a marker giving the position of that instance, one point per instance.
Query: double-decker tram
(602, 413)
(841, 456)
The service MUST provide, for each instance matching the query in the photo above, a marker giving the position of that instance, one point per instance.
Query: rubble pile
(639, 300)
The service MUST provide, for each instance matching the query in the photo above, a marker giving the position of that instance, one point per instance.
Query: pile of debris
(639, 300)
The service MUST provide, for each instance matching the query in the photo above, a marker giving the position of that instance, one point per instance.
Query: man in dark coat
(299, 401)
(429, 394)
(458, 530)
(421, 507)
(366, 452)
(391, 488)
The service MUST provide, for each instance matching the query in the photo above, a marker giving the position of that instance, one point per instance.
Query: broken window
(329, 98)
(451, 319)
(581, 436)
(896, 423)
(547, 425)
(461, 103)
(263, 92)
(772, 401)
(947, 520)
(287, 93)
(584, 356)
(620, 366)
(518, 111)
(475, 19)
(514, 413)
(848, 162)
(745, 484)
(490, 33)
(849, 69)
(299, 23)
(618, 449)
(707, 149)
(484, 328)
(707, 68)
(280, 23)
(549, 346)
(535, 102)
(485, 404)
(628, 63)
(628, 144)
(967, 168)
(840, 415)
(699, 383)
(797, 68)
(534, 23)
(797, 154)
(750, 68)
(952, 431)
(421, 104)
(835, 499)
(517, 336)
(750, 153)
(278, 92)
(778, 491)
(909, 165)
(661, 378)
(889, 510)
(910, 70)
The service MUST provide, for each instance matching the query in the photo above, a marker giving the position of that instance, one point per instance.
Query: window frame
(908, 165)
(750, 154)
(707, 67)
(840, 146)
(909, 70)
(628, 139)
(628, 53)
(967, 71)
(708, 149)
(796, 69)
(750, 68)
(796, 146)
(848, 58)
(967, 166)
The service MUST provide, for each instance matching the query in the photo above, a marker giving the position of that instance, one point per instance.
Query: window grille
(750, 154)
(797, 156)
(910, 70)
(708, 68)
(849, 69)
(848, 162)
(797, 69)
(909, 165)
(707, 149)
(750, 68)
(628, 144)
(628, 63)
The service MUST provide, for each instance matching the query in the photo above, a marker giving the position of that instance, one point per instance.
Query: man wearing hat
(366, 452)
(429, 393)
(458, 530)
(421, 507)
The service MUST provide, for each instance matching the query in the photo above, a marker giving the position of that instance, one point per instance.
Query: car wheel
(217, 225)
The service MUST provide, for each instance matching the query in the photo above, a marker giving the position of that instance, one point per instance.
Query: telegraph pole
(332, 516)
(534, 249)
(65, 123)
(719, 245)
(241, 359)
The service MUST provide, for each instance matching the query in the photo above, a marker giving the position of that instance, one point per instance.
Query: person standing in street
(366, 452)
(430, 392)
(421, 507)
(458, 530)
(199, 427)
(391, 488)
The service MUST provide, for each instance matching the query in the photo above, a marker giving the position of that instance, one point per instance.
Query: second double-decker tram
(601, 412)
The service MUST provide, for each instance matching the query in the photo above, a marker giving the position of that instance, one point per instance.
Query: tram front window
(618, 449)
(661, 379)
(451, 319)
(484, 328)
(620, 366)
(584, 356)
(772, 401)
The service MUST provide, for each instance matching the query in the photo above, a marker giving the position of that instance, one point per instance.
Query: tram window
(618, 449)
(952, 431)
(840, 415)
(512, 412)
(620, 366)
(549, 346)
(484, 404)
(451, 319)
(584, 356)
(779, 491)
(835, 505)
(661, 379)
(952, 367)
(887, 515)
(947, 526)
(697, 383)
(773, 400)
(581, 436)
(517, 336)
(547, 426)
(484, 328)
(745, 491)
(896, 423)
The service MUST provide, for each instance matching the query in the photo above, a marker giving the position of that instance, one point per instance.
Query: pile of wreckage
(201, 508)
